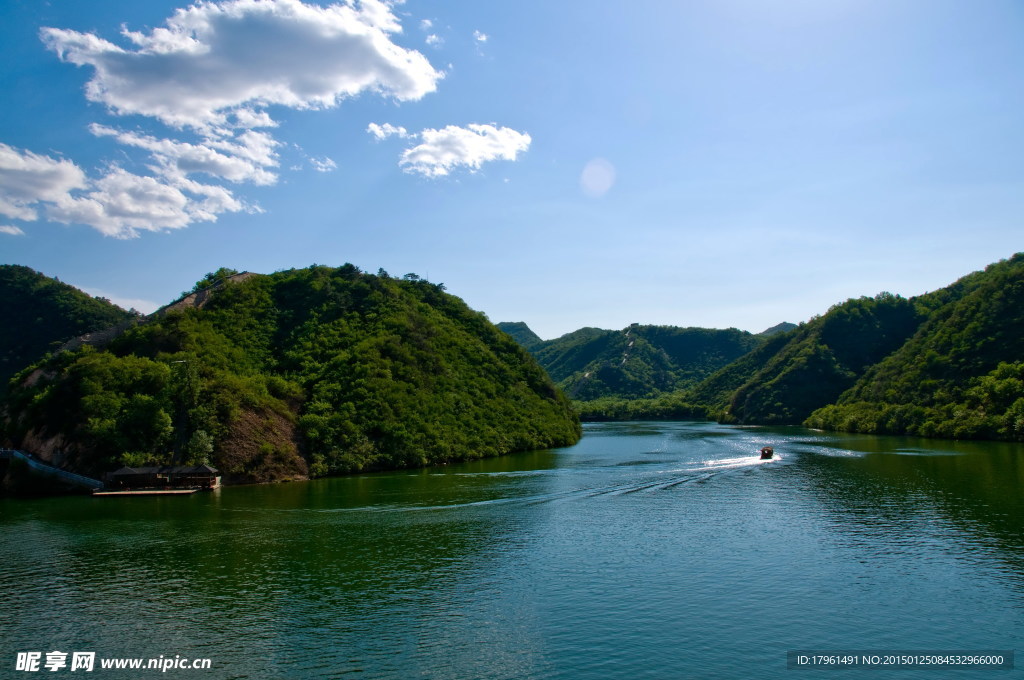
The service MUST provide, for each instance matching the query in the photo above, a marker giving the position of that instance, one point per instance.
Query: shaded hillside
(716, 391)
(40, 313)
(639, 362)
(809, 367)
(319, 371)
(961, 375)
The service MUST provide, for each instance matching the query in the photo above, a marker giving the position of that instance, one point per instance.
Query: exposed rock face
(199, 299)
(261, 446)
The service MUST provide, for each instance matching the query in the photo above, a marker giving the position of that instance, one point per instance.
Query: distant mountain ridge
(783, 327)
(636, 362)
(521, 333)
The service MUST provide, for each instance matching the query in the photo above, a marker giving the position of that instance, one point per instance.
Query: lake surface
(648, 550)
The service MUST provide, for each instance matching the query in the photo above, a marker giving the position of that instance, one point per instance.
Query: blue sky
(575, 163)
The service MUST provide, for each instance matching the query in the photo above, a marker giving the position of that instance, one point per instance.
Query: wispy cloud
(323, 164)
(117, 203)
(244, 158)
(12, 231)
(122, 204)
(144, 306)
(480, 37)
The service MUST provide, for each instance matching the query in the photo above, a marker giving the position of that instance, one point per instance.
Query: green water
(649, 550)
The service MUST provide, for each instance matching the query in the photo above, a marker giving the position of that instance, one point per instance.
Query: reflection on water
(648, 550)
(906, 492)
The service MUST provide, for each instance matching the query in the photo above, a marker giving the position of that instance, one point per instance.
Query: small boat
(767, 452)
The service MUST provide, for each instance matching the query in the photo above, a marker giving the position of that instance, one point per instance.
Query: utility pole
(181, 421)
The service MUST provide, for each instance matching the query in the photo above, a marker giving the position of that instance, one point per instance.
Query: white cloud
(13, 231)
(213, 71)
(443, 150)
(386, 130)
(257, 147)
(216, 65)
(213, 68)
(121, 204)
(323, 164)
(27, 179)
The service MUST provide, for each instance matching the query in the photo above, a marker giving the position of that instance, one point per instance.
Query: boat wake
(571, 483)
(694, 474)
(697, 473)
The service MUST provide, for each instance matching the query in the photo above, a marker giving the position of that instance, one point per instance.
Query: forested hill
(312, 371)
(948, 363)
(637, 362)
(961, 375)
(40, 313)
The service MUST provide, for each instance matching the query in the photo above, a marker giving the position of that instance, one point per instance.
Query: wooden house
(164, 477)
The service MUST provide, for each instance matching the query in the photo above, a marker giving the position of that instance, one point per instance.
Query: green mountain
(783, 327)
(520, 332)
(961, 375)
(314, 371)
(563, 356)
(639, 362)
(41, 313)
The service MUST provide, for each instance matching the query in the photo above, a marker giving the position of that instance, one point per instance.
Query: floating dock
(146, 492)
